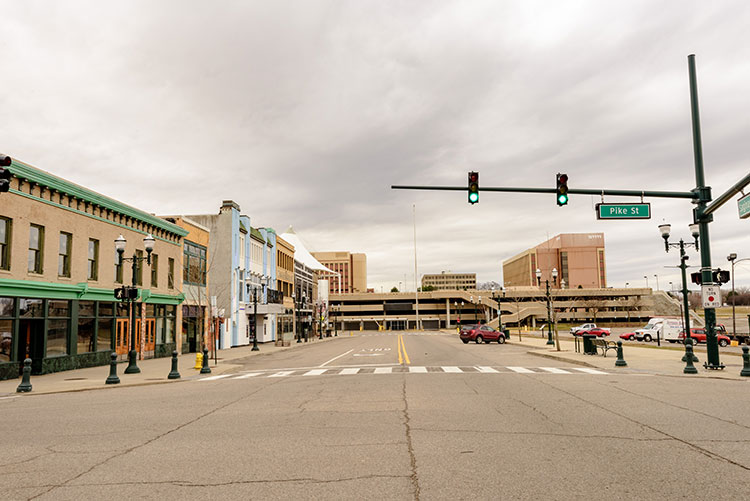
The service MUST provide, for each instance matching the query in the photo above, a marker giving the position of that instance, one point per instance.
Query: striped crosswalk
(400, 369)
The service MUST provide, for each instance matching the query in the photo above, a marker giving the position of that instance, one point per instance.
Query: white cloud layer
(306, 112)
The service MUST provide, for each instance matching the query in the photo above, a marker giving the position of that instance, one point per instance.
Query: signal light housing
(5, 174)
(562, 189)
(473, 187)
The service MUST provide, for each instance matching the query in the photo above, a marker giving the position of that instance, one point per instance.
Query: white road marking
(282, 374)
(383, 370)
(418, 369)
(521, 370)
(347, 372)
(315, 372)
(486, 370)
(589, 371)
(334, 358)
(214, 378)
(251, 374)
(451, 369)
(555, 370)
(367, 355)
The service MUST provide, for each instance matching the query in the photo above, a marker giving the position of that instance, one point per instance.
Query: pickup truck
(585, 327)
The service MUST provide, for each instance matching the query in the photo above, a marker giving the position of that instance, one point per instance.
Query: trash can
(588, 344)
(506, 331)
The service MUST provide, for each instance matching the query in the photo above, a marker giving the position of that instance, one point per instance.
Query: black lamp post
(335, 321)
(733, 258)
(148, 243)
(499, 312)
(549, 300)
(694, 230)
(255, 319)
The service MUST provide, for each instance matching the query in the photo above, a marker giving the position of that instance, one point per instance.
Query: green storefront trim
(50, 290)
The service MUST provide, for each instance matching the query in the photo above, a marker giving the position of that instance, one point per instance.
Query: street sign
(743, 204)
(623, 211)
(711, 296)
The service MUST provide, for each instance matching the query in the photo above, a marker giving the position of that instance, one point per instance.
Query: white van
(663, 328)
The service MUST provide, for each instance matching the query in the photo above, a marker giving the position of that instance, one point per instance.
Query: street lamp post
(733, 259)
(644, 276)
(294, 317)
(148, 243)
(499, 312)
(694, 230)
(657, 281)
(255, 319)
(549, 300)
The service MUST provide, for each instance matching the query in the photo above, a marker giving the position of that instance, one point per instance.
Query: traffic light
(562, 189)
(696, 278)
(5, 161)
(473, 187)
(720, 276)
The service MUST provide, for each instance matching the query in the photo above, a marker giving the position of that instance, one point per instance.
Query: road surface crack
(412, 457)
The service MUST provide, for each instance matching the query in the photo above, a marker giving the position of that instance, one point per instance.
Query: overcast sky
(306, 112)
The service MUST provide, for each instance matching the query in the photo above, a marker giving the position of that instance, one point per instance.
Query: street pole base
(132, 367)
(713, 366)
(621, 363)
(690, 370)
(299, 340)
(255, 348)
(112, 380)
(549, 341)
(173, 375)
(684, 358)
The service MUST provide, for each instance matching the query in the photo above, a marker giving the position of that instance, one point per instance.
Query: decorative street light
(665, 230)
(657, 281)
(499, 312)
(132, 294)
(255, 317)
(549, 300)
(644, 276)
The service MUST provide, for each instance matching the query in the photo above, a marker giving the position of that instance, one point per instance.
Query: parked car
(479, 333)
(596, 331)
(628, 336)
(584, 327)
(699, 336)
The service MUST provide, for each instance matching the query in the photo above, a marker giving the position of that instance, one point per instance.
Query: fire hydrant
(198, 361)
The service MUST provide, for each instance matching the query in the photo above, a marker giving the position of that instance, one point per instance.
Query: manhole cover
(76, 379)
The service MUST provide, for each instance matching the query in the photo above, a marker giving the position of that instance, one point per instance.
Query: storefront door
(149, 340)
(122, 336)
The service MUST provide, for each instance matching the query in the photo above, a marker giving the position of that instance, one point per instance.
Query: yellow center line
(403, 346)
(398, 341)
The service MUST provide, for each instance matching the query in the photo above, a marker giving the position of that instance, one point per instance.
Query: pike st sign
(743, 204)
(623, 211)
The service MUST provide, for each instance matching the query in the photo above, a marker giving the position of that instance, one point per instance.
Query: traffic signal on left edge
(473, 187)
(5, 174)
(562, 189)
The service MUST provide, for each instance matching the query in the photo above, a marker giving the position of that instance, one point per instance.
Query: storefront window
(6, 306)
(31, 307)
(57, 335)
(106, 309)
(86, 309)
(104, 334)
(85, 335)
(6, 339)
(59, 308)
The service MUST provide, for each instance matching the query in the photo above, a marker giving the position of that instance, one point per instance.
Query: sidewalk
(646, 359)
(153, 371)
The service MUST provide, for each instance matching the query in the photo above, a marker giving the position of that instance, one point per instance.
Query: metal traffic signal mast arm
(577, 191)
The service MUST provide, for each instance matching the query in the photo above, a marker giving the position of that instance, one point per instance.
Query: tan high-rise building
(352, 270)
(578, 257)
(450, 281)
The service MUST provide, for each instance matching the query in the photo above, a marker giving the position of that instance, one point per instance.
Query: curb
(562, 359)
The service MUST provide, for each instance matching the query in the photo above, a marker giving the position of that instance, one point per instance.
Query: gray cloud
(307, 112)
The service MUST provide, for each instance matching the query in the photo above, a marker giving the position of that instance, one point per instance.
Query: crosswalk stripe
(214, 378)
(282, 374)
(486, 370)
(589, 371)
(383, 370)
(451, 369)
(554, 370)
(251, 374)
(418, 369)
(349, 371)
(521, 370)
(315, 372)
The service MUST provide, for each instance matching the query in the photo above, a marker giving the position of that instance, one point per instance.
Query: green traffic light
(562, 199)
(473, 197)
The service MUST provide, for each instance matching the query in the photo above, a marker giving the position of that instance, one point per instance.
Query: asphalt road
(386, 416)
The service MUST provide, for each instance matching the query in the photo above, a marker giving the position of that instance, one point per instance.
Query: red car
(479, 333)
(699, 336)
(598, 331)
(628, 336)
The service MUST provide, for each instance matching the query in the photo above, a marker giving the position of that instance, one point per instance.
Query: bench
(604, 346)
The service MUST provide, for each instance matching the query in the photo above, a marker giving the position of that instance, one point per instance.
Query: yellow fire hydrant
(198, 361)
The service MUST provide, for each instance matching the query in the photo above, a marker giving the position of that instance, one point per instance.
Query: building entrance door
(122, 336)
(30, 344)
(396, 325)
